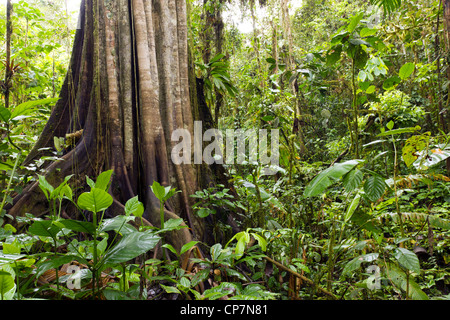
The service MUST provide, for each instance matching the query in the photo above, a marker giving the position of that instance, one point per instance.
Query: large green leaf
(5, 114)
(408, 259)
(28, 107)
(131, 246)
(119, 224)
(413, 145)
(399, 279)
(334, 54)
(374, 187)
(406, 70)
(360, 57)
(44, 228)
(352, 180)
(354, 21)
(397, 131)
(355, 263)
(329, 176)
(96, 200)
(352, 207)
(78, 226)
(6, 284)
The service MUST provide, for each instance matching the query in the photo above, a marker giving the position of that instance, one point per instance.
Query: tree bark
(129, 85)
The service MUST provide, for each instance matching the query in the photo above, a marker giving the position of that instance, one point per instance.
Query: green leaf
(131, 246)
(413, 145)
(390, 125)
(406, 70)
(408, 259)
(355, 263)
(399, 278)
(66, 192)
(6, 284)
(171, 248)
(158, 190)
(352, 207)
(240, 247)
(338, 38)
(216, 58)
(354, 21)
(215, 251)
(366, 32)
(119, 224)
(90, 182)
(46, 187)
(170, 289)
(352, 180)
(78, 226)
(261, 241)
(28, 107)
(391, 82)
(360, 57)
(96, 200)
(5, 114)
(364, 220)
(334, 54)
(53, 263)
(397, 131)
(184, 282)
(188, 246)
(112, 294)
(374, 187)
(204, 212)
(62, 190)
(44, 228)
(134, 207)
(172, 224)
(11, 248)
(371, 90)
(103, 180)
(329, 176)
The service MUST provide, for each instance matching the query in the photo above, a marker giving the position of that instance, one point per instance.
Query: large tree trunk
(128, 87)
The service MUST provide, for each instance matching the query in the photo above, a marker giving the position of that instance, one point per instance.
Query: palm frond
(388, 5)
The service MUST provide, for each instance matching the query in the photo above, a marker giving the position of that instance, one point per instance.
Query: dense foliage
(359, 206)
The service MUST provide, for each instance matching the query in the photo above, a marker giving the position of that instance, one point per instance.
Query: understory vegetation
(359, 207)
